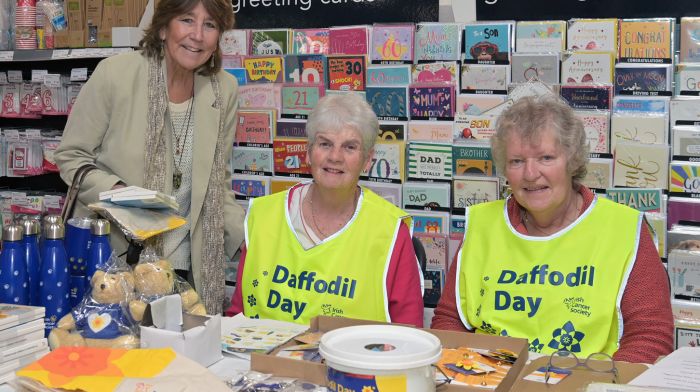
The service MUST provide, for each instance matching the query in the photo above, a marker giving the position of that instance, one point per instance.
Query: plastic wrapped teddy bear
(156, 278)
(101, 319)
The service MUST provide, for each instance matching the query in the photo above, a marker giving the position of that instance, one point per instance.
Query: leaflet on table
(592, 34)
(241, 335)
(488, 42)
(540, 36)
(485, 78)
(646, 128)
(389, 103)
(437, 41)
(426, 195)
(646, 40)
(135, 196)
(270, 41)
(392, 43)
(596, 124)
(643, 79)
(687, 79)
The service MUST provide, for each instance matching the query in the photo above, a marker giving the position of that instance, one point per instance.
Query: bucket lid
(380, 347)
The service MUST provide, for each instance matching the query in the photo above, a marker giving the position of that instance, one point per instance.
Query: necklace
(342, 222)
(532, 226)
(184, 131)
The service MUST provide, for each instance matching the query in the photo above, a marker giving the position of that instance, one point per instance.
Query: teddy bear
(155, 279)
(101, 319)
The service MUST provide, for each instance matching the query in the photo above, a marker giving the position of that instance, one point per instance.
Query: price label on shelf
(78, 74)
(52, 80)
(60, 54)
(38, 75)
(6, 55)
(14, 76)
(3, 77)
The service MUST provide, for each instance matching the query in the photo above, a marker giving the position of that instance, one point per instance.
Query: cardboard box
(578, 379)
(61, 39)
(165, 324)
(75, 12)
(316, 372)
(76, 38)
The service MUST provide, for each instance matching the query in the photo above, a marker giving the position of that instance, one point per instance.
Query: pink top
(645, 305)
(402, 281)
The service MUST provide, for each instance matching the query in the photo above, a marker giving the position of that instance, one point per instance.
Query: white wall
(457, 10)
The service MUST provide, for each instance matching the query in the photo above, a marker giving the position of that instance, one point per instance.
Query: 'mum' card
(432, 101)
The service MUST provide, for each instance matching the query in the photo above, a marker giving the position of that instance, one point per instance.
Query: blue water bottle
(100, 249)
(77, 244)
(48, 219)
(14, 284)
(53, 285)
(31, 251)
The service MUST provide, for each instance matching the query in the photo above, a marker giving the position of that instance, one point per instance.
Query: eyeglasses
(596, 362)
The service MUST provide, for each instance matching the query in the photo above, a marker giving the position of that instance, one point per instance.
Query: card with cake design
(346, 73)
(265, 42)
(472, 159)
(634, 79)
(264, 69)
(485, 78)
(305, 68)
(488, 42)
(646, 40)
(246, 187)
(290, 158)
(687, 78)
(389, 191)
(641, 165)
(437, 41)
(434, 101)
(392, 130)
(469, 190)
(429, 161)
(430, 131)
(389, 103)
(599, 173)
(310, 41)
(469, 127)
(349, 40)
(387, 163)
(587, 67)
(234, 42)
(436, 72)
(433, 196)
(392, 43)
(540, 36)
(252, 161)
(540, 66)
(638, 128)
(690, 39)
(431, 222)
(477, 103)
(596, 97)
(596, 124)
(255, 127)
(686, 141)
(592, 34)
(388, 75)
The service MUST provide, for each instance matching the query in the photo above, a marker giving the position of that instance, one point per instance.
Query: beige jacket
(107, 127)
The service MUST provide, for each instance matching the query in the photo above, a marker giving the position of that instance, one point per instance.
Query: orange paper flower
(66, 363)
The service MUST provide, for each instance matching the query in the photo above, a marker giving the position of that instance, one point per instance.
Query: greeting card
(587, 67)
(299, 99)
(346, 73)
(437, 41)
(434, 101)
(282, 184)
(477, 104)
(248, 187)
(687, 79)
(686, 141)
(252, 160)
(436, 72)
(592, 34)
(596, 124)
(389, 103)
(310, 41)
(387, 163)
(541, 66)
(431, 222)
(485, 78)
(640, 104)
(392, 130)
(264, 69)
(290, 158)
(349, 40)
(270, 42)
(599, 173)
(305, 68)
(469, 190)
(472, 159)
(428, 196)
(254, 128)
(647, 200)
(685, 110)
(390, 192)
(436, 248)
(388, 75)
(638, 128)
(685, 177)
(690, 39)
(469, 127)
(430, 131)
(288, 128)
(632, 78)
(392, 43)
(641, 165)
(646, 40)
(488, 42)
(540, 36)
(234, 42)
(430, 161)
(587, 97)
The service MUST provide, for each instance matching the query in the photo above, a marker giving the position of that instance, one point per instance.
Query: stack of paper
(135, 196)
(21, 338)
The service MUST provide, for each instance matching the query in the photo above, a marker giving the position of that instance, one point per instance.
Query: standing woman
(163, 118)
(330, 247)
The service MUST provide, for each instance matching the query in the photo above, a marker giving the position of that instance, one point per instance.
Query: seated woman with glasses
(329, 246)
(554, 263)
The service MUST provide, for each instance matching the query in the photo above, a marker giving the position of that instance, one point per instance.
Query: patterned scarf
(211, 283)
